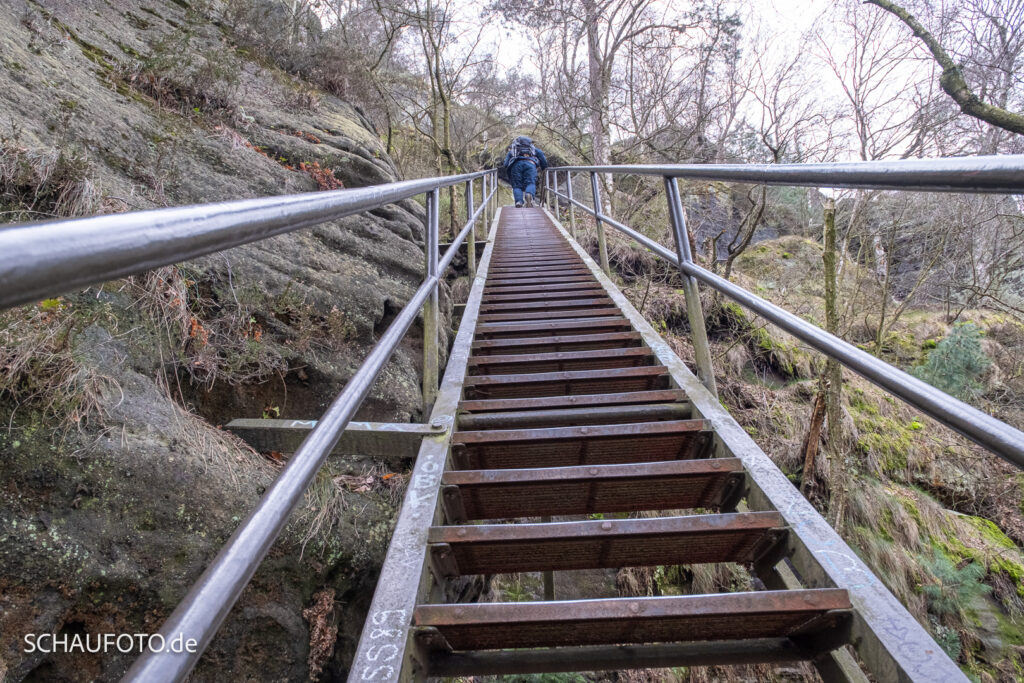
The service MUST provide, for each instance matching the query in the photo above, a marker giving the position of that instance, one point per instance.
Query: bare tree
(1004, 20)
(594, 35)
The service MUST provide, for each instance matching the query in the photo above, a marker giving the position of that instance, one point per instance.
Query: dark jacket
(540, 160)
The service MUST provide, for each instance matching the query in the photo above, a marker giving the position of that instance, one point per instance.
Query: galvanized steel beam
(385, 440)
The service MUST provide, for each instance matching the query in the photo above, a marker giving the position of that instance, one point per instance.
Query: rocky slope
(116, 487)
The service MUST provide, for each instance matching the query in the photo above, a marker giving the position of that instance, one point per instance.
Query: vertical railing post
(492, 189)
(694, 312)
(430, 306)
(486, 199)
(602, 248)
(572, 207)
(471, 243)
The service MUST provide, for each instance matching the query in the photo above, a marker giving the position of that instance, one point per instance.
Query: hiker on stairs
(522, 161)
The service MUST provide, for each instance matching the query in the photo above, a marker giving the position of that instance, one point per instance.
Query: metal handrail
(990, 174)
(48, 258)
(996, 174)
(45, 259)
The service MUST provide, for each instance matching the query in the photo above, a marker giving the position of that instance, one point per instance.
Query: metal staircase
(558, 400)
(568, 405)
(566, 412)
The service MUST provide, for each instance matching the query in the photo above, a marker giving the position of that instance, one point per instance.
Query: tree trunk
(833, 374)
(813, 437)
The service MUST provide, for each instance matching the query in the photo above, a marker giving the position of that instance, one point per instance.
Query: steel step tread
(580, 432)
(580, 400)
(566, 382)
(583, 342)
(541, 287)
(559, 361)
(551, 491)
(543, 295)
(550, 328)
(538, 260)
(585, 445)
(666, 619)
(559, 314)
(578, 302)
(737, 537)
(533, 273)
(499, 283)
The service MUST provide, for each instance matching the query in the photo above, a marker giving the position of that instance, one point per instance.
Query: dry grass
(44, 183)
(38, 366)
(328, 498)
(210, 341)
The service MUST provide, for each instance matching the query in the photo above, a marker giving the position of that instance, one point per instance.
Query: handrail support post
(572, 207)
(488, 190)
(602, 247)
(694, 311)
(471, 237)
(430, 306)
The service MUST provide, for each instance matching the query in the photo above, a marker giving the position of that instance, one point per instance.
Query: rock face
(116, 496)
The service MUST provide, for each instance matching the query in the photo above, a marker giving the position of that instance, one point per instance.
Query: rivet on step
(461, 532)
(592, 471)
(634, 607)
(715, 465)
(584, 430)
(606, 526)
(437, 425)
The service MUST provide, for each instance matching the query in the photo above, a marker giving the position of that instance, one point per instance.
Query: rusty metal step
(574, 417)
(533, 273)
(575, 302)
(578, 342)
(550, 491)
(540, 287)
(739, 537)
(542, 295)
(551, 290)
(547, 328)
(538, 260)
(612, 380)
(724, 616)
(560, 314)
(559, 361)
(501, 284)
(588, 445)
(579, 401)
(526, 277)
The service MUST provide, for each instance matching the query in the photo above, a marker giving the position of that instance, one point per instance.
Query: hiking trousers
(522, 175)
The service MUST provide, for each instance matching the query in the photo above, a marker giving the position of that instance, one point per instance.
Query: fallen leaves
(324, 177)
